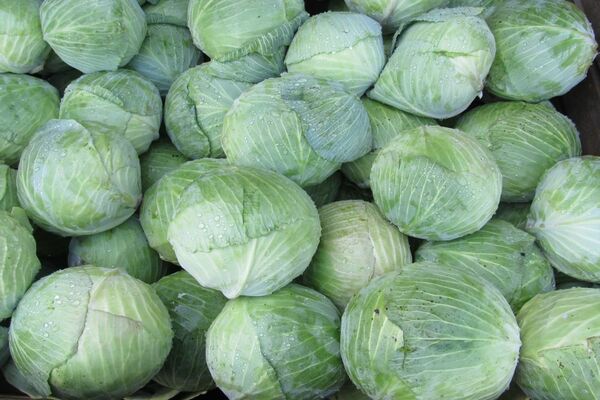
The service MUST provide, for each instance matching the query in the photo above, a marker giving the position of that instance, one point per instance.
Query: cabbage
(439, 65)
(161, 158)
(515, 213)
(436, 183)
(199, 99)
(326, 191)
(192, 309)
(505, 256)
(429, 332)
(26, 103)
(8, 188)
(22, 48)
(89, 332)
(560, 353)
(354, 58)
(545, 48)
(121, 102)
(525, 139)
(565, 217)
(386, 123)
(124, 247)
(242, 231)
(18, 261)
(297, 125)
(59, 198)
(281, 346)
(357, 245)
(166, 53)
(225, 31)
(93, 35)
(392, 14)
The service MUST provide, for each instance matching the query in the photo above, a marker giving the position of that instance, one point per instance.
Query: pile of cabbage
(296, 200)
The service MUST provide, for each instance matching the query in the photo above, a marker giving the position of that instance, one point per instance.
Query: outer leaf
(565, 217)
(172, 12)
(8, 188)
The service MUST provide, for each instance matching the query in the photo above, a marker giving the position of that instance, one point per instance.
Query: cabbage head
(515, 213)
(121, 102)
(436, 183)
(282, 346)
(161, 158)
(545, 48)
(59, 198)
(430, 332)
(560, 354)
(124, 247)
(225, 31)
(22, 47)
(439, 64)
(357, 245)
(565, 217)
(297, 125)
(386, 123)
(243, 231)
(525, 139)
(94, 35)
(26, 103)
(8, 188)
(392, 14)
(505, 256)
(339, 46)
(200, 97)
(18, 260)
(89, 332)
(192, 308)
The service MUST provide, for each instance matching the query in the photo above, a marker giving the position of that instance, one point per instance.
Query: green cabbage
(545, 48)
(436, 183)
(515, 213)
(297, 125)
(60, 198)
(357, 245)
(565, 217)
(89, 332)
(561, 351)
(192, 309)
(525, 139)
(439, 64)
(124, 247)
(8, 188)
(161, 158)
(94, 35)
(326, 191)
(121, 102)
(281, 346)
(343, 47)
(22, 48)
(26, 103)
(429, 332)
(504, 255)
